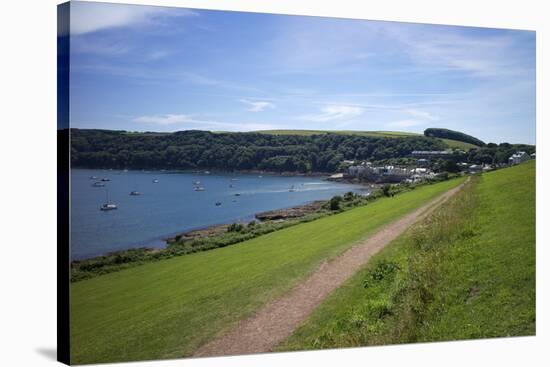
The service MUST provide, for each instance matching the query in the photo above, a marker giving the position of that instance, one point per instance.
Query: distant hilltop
(453, 135)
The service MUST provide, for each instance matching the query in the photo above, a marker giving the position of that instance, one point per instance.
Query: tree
(386, 190)
(450, 166)
(335, 202)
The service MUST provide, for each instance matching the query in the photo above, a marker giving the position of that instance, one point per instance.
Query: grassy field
(467, 272)
(455, 144)
(169, 308)
(383, 134)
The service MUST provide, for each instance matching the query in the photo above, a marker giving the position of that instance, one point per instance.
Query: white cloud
(168, 119)
(437, 48)
(159, 54)
(92, 17)
(334, 112)
(422, 114)
(257, 106)
(186, 122)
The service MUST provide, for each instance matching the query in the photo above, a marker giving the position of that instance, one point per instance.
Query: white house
(518, 158)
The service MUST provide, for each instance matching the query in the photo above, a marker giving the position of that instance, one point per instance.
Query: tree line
(194, 149)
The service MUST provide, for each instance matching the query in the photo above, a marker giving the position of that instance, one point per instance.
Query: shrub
(386, 190)
(335, 202)
(235, 227)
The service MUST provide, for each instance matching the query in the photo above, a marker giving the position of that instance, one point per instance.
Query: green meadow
(467, 271)
(167, 309)
(453, 144)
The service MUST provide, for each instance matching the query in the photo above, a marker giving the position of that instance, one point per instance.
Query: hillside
(454, 135)
(449, 143)
(467, 272)
(192, 149)
(169, 308)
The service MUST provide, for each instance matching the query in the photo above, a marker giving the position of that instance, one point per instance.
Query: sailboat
(108, 205)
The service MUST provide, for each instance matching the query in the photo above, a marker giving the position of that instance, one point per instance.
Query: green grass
(455, 144)
(169, 308)
(383, 134)
(467, 272)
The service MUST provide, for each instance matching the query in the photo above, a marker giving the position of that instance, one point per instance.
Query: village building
(426, 154)
(518, 157)
(383, 174)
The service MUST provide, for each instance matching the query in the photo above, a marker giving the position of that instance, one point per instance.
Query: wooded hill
(193, 149)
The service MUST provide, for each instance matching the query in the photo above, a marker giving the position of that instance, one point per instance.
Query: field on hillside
(455, 144)
(382, 134)
(169, 308)
(467, 272)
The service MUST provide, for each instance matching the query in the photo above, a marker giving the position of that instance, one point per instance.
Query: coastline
(211, 230)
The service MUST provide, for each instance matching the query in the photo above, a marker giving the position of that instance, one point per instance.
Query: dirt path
(277, 320)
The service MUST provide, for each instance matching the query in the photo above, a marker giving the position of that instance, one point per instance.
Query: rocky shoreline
(276, 215)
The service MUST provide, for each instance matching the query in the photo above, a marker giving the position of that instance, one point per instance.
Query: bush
(235, 227)
(386, 190)
(335, 202)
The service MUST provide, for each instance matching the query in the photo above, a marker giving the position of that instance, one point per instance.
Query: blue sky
(144, 68)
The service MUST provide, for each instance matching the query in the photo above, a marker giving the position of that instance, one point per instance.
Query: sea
(169, 203)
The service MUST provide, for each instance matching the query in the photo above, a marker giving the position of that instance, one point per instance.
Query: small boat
(218, 203)
(93, 177)
(260, 176)
(104, 179)
(237, 194)
(98, 184)
(198, 188)
(196, 183)
(230, 185)
(108, 205)
(135, 193)
(292, 189)
(206, 172)
(155, 181)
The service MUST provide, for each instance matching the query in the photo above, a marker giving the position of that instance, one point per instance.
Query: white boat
(198, 188)
(93, 177)
(292, 189)
(108, 205)
(155, 181)
(135, 193)
(98, 184)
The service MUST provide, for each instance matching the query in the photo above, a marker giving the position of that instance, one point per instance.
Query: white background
(28, 181)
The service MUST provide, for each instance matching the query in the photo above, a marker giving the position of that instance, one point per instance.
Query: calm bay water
(171, 206)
